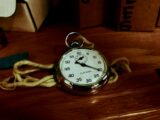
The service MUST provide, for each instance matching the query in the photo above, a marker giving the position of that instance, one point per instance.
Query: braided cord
(23, 78)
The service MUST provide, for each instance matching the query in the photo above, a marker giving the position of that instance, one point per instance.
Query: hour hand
(80, 58)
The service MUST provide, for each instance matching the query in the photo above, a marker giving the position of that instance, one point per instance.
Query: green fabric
(9, 61)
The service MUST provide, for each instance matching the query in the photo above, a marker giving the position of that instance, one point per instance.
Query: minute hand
(85, 65)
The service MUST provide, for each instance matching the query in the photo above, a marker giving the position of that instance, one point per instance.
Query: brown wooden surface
(135, 96)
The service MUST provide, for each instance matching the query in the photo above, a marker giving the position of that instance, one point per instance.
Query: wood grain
(135, 96)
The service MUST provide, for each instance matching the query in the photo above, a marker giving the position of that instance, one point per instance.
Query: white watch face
(83, 67)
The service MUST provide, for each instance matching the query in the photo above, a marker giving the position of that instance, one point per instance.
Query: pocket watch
(81, 69)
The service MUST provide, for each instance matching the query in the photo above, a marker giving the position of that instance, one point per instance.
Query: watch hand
(85, 65)
(80, 58)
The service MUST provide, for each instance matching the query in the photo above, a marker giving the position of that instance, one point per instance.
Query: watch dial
(83, 67)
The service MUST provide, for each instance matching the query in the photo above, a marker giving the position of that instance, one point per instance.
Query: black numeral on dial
(94, 57)
(71, 75)
(99, 62)
(79, 53)
(67, 61)
(67, 68)
(96, 75)
(79, 79)
(71, 56)
(88, 80)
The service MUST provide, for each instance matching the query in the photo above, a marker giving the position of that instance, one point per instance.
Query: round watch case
(86, 78)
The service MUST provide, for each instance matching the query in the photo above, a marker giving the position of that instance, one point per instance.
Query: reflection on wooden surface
(135, 96)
